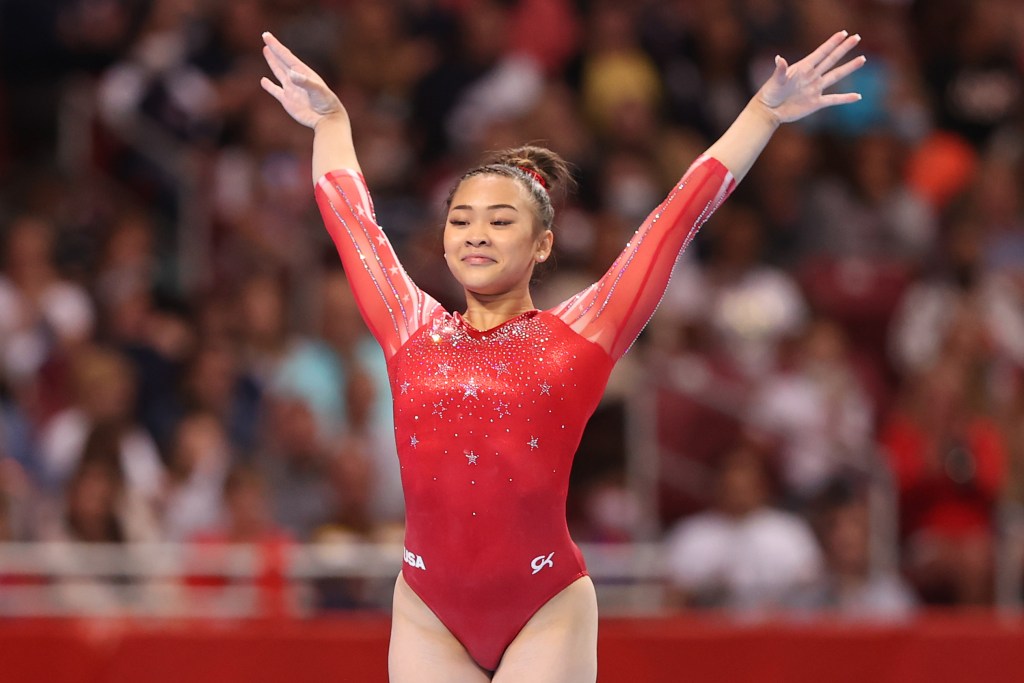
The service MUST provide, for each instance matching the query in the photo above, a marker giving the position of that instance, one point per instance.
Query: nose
(476, 235)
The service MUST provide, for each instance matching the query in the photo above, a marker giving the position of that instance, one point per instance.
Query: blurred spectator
(377, 55)
(950, 461)
(43, 317)
(778, 186)
(750, 307)
(17, 438)
(970, 61)
(260, 190)
(214, 382)
(743, 556)
(199, 465)
(620, 90)
(247, 523)
(103, 399)
(157, 84)
(283, 360)
(870, 213)
(296, 463)
(856, 586)
(368, 405)
(817, 415)
(995, 201)
(98, 506)
(479, 80)
(18, 501)
(959, 286)
(704, 57)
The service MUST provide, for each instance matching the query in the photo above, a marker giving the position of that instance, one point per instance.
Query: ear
(544, 245)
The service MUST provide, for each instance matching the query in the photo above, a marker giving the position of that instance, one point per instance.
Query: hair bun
(550, 169)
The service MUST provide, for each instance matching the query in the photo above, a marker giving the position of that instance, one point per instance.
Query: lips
(477, 260)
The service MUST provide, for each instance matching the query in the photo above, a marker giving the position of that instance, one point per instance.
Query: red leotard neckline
(525, 315)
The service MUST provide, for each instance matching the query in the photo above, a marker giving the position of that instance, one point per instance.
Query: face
(491, 239)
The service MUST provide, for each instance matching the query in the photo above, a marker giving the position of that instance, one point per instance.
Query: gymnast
(490, 402)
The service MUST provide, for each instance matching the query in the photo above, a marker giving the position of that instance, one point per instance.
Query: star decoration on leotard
(361, 212)
(532, 443)
(382, 239)
(413, 441)
(471, 458)
(443, 369)
(545, 388)
(502, 409)
(394, 270)
(404, 386)
(501, 367)
(438, 409)
(470, 388)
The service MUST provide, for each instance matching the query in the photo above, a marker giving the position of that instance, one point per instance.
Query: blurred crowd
(181, 358)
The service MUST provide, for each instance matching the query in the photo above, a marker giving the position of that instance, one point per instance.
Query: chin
(484, 288)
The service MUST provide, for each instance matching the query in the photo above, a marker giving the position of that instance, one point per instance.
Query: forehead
(485, 190)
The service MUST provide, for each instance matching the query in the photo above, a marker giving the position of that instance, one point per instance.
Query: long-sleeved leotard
(487, 422)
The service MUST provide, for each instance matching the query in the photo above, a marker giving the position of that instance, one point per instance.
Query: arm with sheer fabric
(613, 311)
(391, 304)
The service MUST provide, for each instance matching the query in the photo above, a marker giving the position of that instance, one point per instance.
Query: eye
(502, 222)
(457, 222)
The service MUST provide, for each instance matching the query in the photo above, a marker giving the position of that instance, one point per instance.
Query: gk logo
(540, 562)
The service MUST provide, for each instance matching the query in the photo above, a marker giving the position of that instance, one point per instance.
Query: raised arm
(614, 310)
(391, 304)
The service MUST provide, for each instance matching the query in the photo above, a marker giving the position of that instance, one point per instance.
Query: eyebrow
(492, 207)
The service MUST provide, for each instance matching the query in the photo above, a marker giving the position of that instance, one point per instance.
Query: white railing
(232, 581)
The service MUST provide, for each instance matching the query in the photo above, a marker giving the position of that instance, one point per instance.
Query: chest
(533, 365)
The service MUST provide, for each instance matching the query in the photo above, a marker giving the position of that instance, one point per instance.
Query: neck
(484, 312)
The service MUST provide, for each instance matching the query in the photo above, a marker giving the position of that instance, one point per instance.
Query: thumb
(781, 67)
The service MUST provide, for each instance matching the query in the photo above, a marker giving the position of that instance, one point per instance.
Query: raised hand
(301, 92)
(794, 91)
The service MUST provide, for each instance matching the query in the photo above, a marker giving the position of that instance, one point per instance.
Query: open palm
(794, 91)
(302, 92)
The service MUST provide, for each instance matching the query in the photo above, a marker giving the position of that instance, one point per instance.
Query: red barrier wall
(936, 649)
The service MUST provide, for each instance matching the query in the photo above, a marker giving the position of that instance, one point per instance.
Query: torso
(487, 424)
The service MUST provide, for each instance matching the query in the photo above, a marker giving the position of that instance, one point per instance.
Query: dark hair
(540, 170)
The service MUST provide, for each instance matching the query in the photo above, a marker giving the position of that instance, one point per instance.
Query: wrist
(761, 110)
(334, 118)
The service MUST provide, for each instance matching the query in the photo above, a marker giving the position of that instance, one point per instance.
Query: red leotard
(488, 422)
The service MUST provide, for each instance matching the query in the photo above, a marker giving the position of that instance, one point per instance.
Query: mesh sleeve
(613, 310)
(390, 303)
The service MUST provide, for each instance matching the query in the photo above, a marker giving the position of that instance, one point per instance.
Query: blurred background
(823, 421)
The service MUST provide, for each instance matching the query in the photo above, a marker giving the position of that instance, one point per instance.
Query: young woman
(490, 404)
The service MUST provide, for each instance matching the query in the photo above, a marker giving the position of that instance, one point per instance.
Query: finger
(276, 65)
(286, 56)
(273, 88)
(840, 98)
(781, 71)
(833, 57)
(825, 48)
(841, 72)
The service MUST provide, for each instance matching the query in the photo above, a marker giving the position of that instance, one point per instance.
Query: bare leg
(559, 643)
(422, 649)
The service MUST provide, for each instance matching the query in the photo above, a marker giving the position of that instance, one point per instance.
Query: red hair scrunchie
(533, 174)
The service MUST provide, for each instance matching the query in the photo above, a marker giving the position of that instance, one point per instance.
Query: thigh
(422, 649)
(559, 643)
